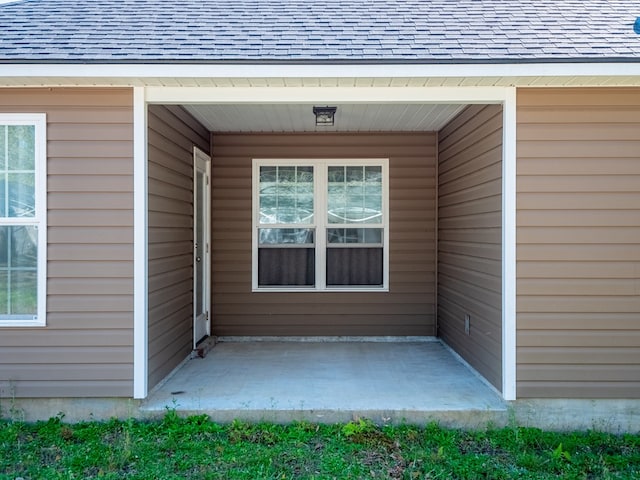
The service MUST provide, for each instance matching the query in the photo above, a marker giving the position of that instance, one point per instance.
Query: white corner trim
(140, 302)
(509, 247)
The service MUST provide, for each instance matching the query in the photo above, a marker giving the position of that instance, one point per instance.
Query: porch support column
(509, 246)
(140, 274)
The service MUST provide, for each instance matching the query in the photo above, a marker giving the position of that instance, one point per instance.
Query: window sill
(318, 290)
(22, 323)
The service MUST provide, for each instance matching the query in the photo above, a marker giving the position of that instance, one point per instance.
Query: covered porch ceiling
(299, 117)
(271, 109)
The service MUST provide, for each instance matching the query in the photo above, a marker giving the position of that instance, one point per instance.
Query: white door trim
(199, 155)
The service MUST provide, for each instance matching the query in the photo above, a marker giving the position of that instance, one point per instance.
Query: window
(320, 225)
(22, 219)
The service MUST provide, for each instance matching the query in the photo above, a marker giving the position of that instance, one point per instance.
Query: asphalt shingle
(312, 30)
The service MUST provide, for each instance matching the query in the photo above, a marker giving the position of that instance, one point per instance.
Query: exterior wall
(470, 237)
(86, 348)
(171, 138)
(578, 234)
(408, 309)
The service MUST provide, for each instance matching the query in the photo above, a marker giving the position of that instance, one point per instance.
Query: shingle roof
(429, 31)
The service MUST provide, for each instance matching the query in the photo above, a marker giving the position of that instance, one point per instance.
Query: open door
(201, 246)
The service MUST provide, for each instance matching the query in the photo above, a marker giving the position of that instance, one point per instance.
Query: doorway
(201, 246)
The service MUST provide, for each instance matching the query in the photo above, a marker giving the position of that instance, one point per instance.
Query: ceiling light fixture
(325, 116)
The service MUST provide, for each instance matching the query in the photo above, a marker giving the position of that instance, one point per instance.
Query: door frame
(200, 156)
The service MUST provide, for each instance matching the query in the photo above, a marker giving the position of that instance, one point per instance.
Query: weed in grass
(561, 454)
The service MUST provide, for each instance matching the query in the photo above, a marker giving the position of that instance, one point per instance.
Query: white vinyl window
(320, 225)
(22, 219)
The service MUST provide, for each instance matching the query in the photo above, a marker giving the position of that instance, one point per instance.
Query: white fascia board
(222, 70)
(269, 95)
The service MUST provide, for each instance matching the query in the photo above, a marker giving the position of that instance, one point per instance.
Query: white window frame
(320, 166)
(39, 121)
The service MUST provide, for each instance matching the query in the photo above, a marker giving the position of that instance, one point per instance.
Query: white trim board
(317, 95)
(140, 247)
(509, 277)
(167, 70)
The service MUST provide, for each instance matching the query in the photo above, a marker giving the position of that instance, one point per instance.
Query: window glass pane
(354, 189)
(355, 214)
(268, 203)
(21, 143)
(373, 205)
(5, 246)
(304, 175)
(373, 174)
(23, 248)
(286, 267)
(304, 189)
(354, 235)
(373, 189)
(354, 266)
(21, 195)
(3, 147)
(286, 175)
(355, 174)
(304, 209)
(336, 175)
(373, 235)
(4, 292)
(24, 289)
(354, 195)
(267, 175)
(286, 195)
(18, 270)
(3, 194)
(281, 236)
(19, 247)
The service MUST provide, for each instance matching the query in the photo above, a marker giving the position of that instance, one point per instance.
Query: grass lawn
(176, 448)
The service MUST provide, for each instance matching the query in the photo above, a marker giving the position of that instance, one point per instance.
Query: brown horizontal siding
(68, 388)
(86, 348)
(573, 320)
(172, 135)
(407, 309)
(469, 237)
(578, 233)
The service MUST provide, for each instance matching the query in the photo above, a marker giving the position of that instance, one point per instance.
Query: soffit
(300, 118)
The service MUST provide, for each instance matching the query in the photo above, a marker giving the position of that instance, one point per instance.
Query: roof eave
(276, 74)
(320, 61)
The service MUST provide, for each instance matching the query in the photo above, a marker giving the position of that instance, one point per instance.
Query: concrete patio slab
(283, 381)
